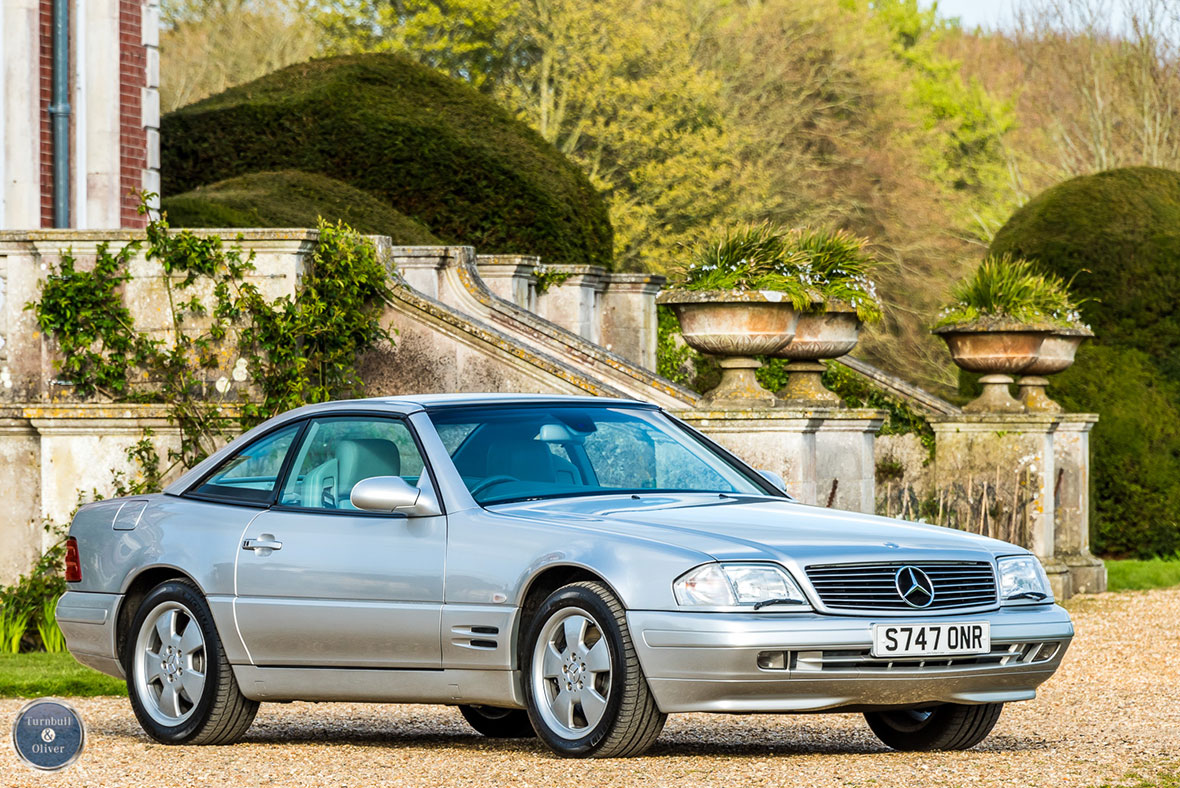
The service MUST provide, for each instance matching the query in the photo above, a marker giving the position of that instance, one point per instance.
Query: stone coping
(49, 411)
(783, 414)
(1012, 419)
(506, 259)
(576, 269)
(226, 233)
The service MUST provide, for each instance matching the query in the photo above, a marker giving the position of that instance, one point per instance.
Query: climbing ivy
(293, 350)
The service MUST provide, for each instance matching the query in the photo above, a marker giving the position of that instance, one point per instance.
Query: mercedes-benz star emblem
(914, 586)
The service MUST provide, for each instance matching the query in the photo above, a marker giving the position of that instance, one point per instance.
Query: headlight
(1022, 579)
(733, 585)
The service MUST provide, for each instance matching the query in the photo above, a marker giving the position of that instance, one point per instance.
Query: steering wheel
(492, 481)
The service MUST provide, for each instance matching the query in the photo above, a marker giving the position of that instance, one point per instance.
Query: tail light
(73, 563)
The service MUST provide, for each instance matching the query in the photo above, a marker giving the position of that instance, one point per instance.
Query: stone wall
(477, 323)
(1021, 478)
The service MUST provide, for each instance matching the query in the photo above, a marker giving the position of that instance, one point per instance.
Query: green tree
(207, 46)
(615, 85)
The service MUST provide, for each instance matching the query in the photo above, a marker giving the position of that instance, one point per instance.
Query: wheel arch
(537, 589)
(136, 587)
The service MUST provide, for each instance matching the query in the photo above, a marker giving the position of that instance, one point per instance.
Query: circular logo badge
(48, 734)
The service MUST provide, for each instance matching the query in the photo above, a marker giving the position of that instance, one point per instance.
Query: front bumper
(710, 661)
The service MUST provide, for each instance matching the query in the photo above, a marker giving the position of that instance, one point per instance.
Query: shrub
(808, 266)
(1135, 448)
(292, 199)
(1011, 290)
(427, 145)
(1116, 237)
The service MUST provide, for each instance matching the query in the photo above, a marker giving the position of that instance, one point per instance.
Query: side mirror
(390, 494)
(774, 479)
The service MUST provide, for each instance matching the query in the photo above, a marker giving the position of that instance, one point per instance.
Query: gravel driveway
(1114, 708)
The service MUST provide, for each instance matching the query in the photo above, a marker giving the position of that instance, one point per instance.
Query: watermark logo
(48, 734)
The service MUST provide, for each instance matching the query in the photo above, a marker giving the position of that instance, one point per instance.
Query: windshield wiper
(769, 602)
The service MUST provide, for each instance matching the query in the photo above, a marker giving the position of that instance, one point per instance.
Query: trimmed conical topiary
(427, 145)
(1116, 237)
(291, 199)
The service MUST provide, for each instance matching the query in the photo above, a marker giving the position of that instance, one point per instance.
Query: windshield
(549, 451)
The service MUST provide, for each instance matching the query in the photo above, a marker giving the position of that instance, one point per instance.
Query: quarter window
(339, 452)
(250, 475)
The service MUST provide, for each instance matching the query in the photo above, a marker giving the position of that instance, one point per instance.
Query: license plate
(931, 640)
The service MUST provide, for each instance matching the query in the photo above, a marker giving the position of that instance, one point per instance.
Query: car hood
(762, 528)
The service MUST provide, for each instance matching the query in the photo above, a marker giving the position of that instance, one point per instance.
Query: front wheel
(951, 726)
(585, 692)
(181, 686)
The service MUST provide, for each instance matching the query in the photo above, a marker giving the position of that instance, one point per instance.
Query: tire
(950, 726)
(173, 624)
(589, 698)
(499, 723)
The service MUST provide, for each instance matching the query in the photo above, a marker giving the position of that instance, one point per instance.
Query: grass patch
(1167, 779)
(40, 674)
(1132, 575)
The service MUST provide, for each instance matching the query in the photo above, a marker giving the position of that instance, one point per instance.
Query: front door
(320, 583)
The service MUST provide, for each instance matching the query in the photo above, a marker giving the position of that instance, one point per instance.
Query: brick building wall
(132, 135)
(113, 79)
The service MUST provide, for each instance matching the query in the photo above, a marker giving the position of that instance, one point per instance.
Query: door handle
(266, 542)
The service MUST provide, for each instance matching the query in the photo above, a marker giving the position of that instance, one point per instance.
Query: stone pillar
(511, 277)
(573, 302)
(628, 317)
(1071, 448)
(1022, 478)
(20, 478)
(420, 266)
(824, 455)
(83, 445)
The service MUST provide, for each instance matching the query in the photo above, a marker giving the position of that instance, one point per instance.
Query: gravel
(1112, 710)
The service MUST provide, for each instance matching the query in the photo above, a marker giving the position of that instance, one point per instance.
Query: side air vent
(469, 637)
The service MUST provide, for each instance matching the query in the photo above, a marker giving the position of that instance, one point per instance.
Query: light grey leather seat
(530, 461)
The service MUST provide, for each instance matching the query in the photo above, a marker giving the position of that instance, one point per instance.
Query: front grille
(861, 660)
(874, 586)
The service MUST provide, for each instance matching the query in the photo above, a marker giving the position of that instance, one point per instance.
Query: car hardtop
(400, 405)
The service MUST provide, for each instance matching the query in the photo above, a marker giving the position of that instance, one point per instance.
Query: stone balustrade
(468, 323)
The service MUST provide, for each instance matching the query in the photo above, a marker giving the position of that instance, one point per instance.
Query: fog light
(772, 660)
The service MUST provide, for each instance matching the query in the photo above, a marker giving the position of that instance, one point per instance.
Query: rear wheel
(951, 726)
(498, 723)
(585, 692)
(181, 686)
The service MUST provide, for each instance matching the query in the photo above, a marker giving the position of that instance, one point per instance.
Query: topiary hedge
(429, 146)
(291, 199)
(1116, 235)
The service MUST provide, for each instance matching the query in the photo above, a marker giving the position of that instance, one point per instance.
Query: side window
(250, 475)
(338, 452)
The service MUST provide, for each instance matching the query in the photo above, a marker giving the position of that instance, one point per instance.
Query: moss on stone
(427, 145)
(291, 199)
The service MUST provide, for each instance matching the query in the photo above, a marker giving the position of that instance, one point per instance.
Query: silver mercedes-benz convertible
(572, 568)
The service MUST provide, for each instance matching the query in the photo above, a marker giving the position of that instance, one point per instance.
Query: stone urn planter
(830, 333)
(1056, 354)
(735, 326)
(998, 352)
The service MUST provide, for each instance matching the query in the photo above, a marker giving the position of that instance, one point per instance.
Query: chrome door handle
(266, 542)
